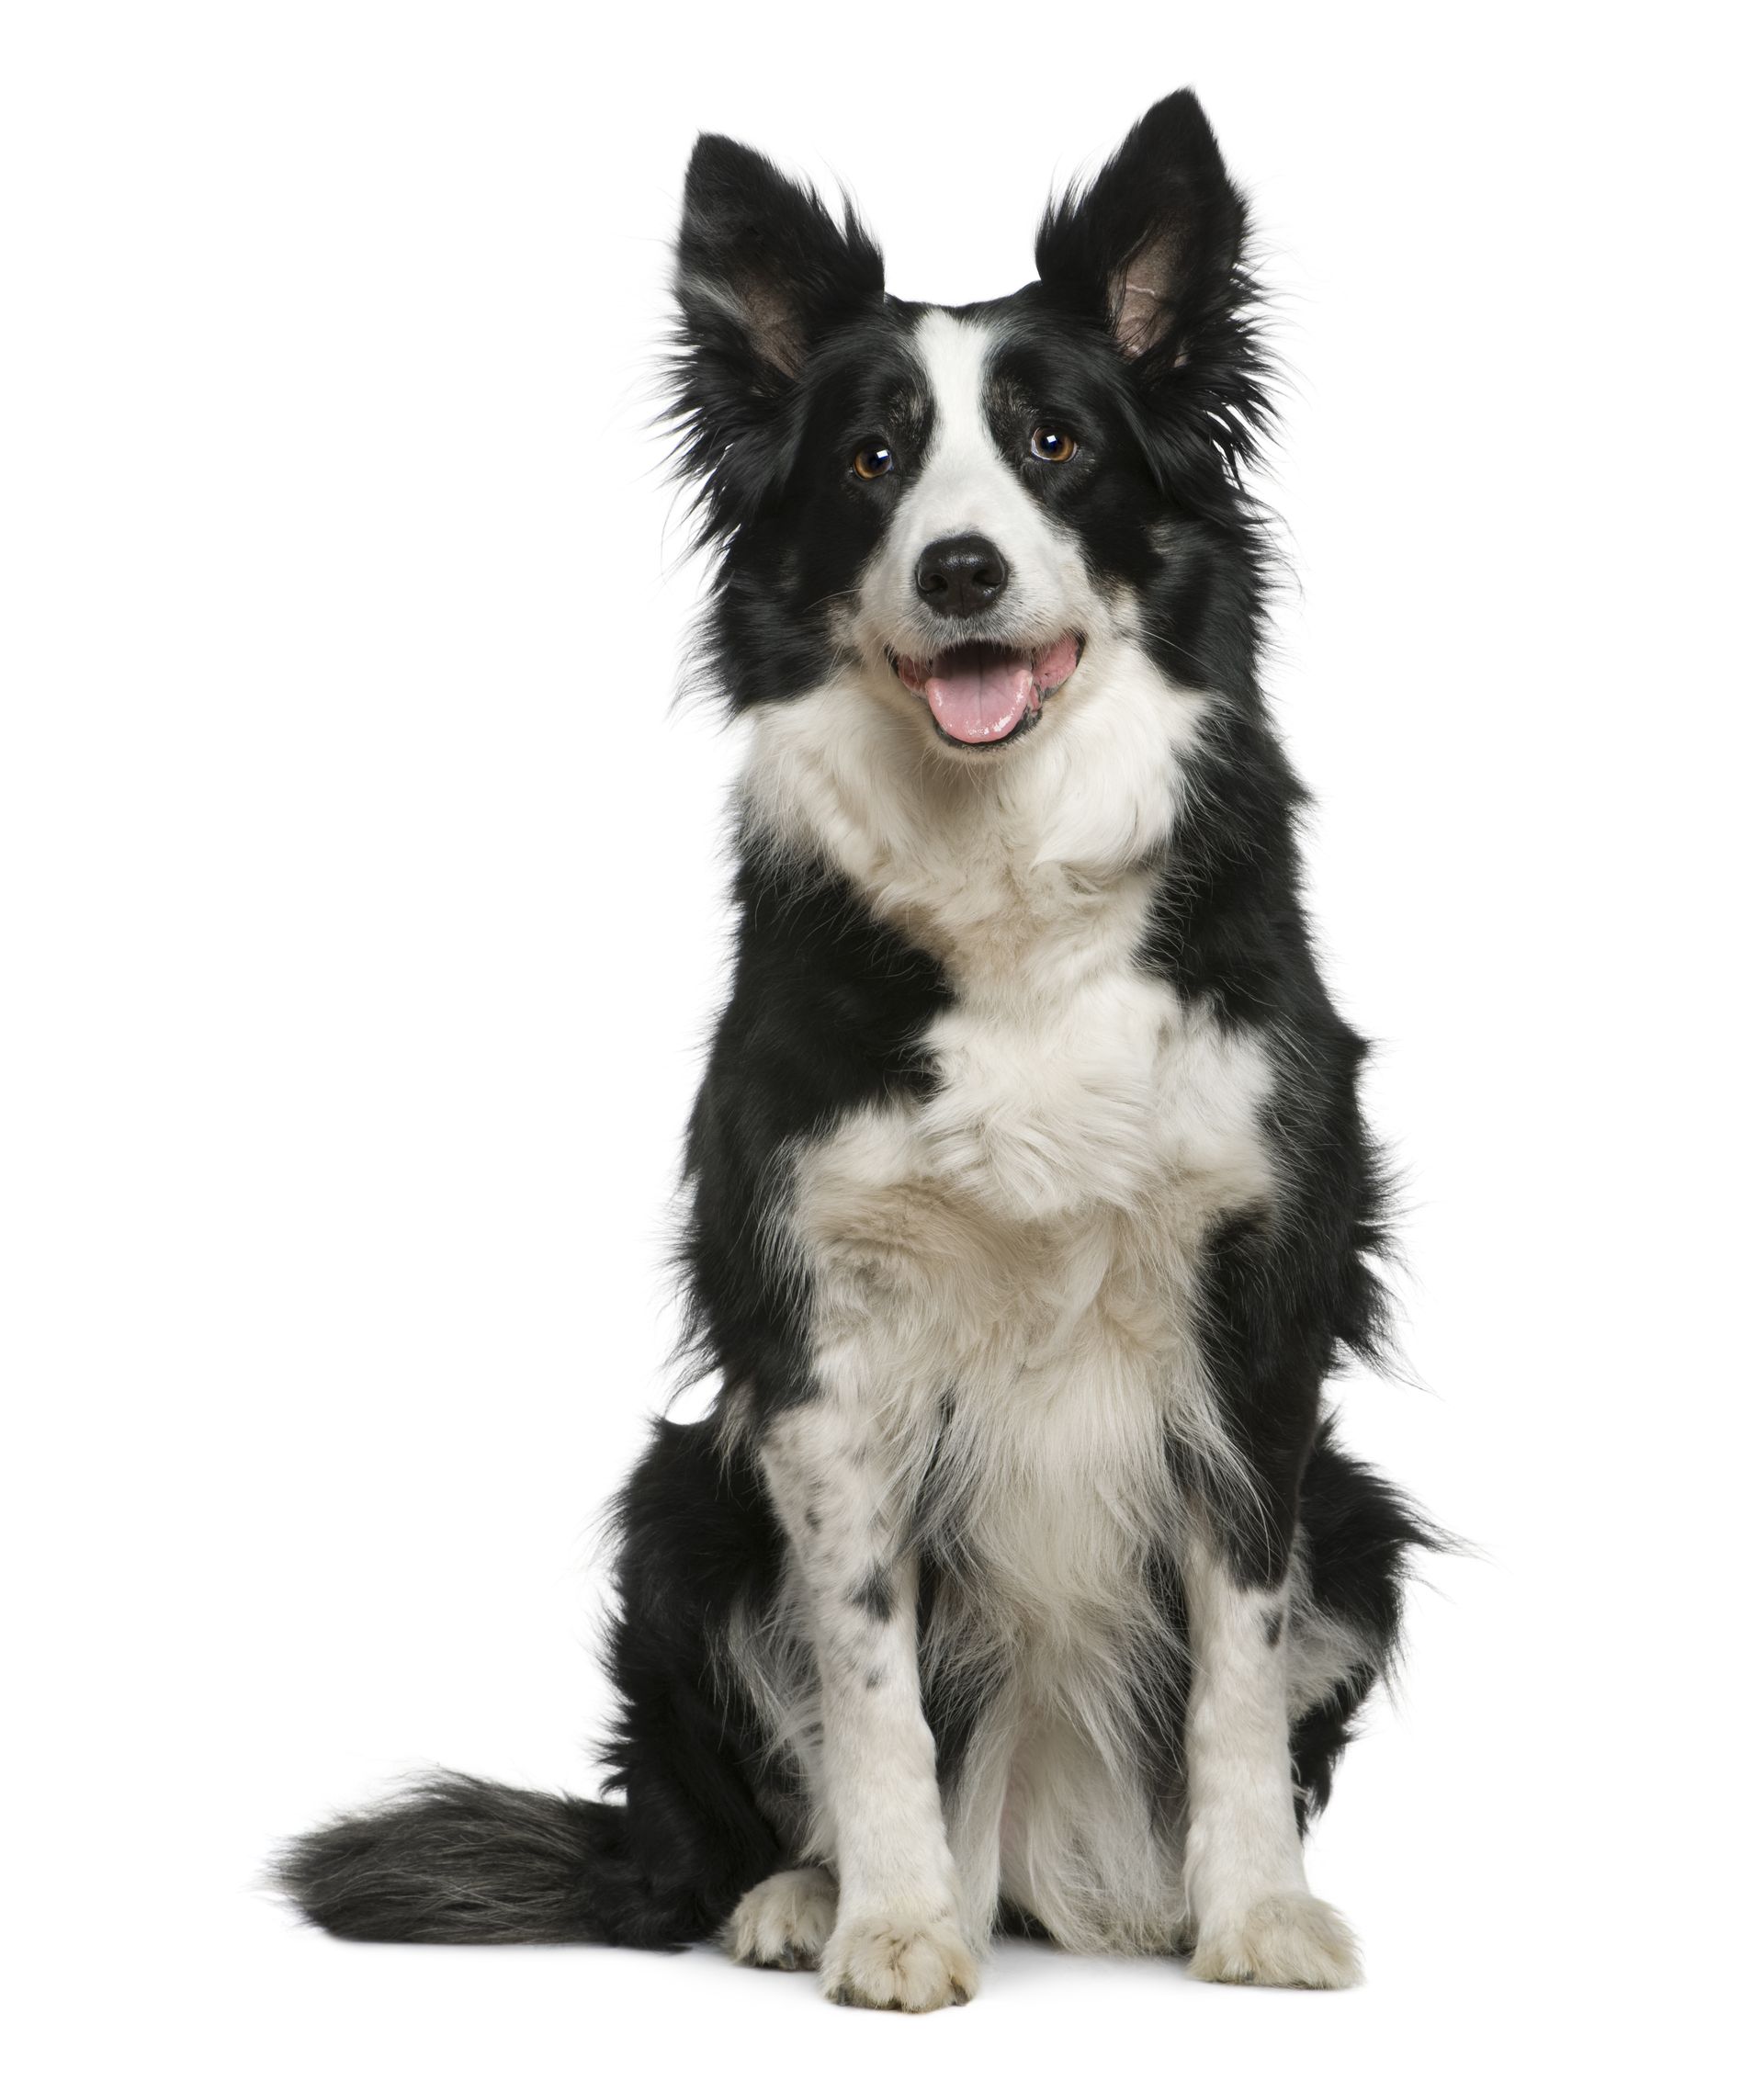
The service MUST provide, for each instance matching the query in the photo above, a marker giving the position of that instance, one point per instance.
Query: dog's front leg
(896, 1943)
(1252, 1916)
(1250, 1913)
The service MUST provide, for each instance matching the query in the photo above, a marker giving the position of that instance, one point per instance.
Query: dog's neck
(1037, 857)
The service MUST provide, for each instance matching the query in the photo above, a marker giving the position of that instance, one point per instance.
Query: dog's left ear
(1152, 246)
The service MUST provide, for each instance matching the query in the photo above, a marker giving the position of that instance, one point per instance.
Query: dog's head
(965, 510)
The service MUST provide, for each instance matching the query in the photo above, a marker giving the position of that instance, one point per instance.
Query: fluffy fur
(1016, 1579)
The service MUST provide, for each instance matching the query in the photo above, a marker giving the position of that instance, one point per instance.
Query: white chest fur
(1002, 1274)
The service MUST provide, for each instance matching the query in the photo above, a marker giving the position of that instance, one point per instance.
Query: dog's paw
(889, 1962)
(784, 1921)
(1287, 1941)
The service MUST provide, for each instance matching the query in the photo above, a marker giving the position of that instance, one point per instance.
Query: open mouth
(982, 694)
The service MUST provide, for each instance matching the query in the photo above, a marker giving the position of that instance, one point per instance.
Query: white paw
(1287, 1941)
(784, 1921)
(889, 1962)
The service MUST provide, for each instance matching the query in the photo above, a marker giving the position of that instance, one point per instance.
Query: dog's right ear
(763, 272)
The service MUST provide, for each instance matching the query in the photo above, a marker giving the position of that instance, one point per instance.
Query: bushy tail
(457, 1861)
(454, 1860)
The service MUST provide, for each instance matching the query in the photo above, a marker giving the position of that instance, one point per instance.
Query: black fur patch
(875, 1595)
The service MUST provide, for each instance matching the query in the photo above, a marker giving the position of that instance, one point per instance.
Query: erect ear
(1151, 248)
(763, 268)
(763, 271)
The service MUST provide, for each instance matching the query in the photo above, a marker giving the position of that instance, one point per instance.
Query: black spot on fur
(875, 1595)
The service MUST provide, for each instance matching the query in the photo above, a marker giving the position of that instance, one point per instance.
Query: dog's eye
(1050, 443)
(873, 461)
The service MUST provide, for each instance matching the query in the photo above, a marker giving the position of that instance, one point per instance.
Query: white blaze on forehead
(964, 463)
(967, 485)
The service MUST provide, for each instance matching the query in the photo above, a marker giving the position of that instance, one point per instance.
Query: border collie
(1017, 1580)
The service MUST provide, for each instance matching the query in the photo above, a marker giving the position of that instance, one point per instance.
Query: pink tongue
(978, 703)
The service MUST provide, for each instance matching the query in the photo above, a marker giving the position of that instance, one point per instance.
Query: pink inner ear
(1142, 291)
(773, 322)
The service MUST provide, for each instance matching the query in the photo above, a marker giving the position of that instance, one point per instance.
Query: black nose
(962, 574)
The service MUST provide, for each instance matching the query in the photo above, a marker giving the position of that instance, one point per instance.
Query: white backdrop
(362, 923)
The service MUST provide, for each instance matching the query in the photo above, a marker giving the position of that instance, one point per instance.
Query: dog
(1017, 1580)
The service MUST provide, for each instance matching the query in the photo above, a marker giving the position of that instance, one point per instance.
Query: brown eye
(1048, 444)
(874, 461)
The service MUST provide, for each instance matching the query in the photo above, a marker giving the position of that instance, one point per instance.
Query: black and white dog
(1015, 1580)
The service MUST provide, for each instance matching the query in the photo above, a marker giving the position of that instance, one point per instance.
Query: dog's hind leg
(1358, 1536)
(784, 1921)
(458, 1860)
